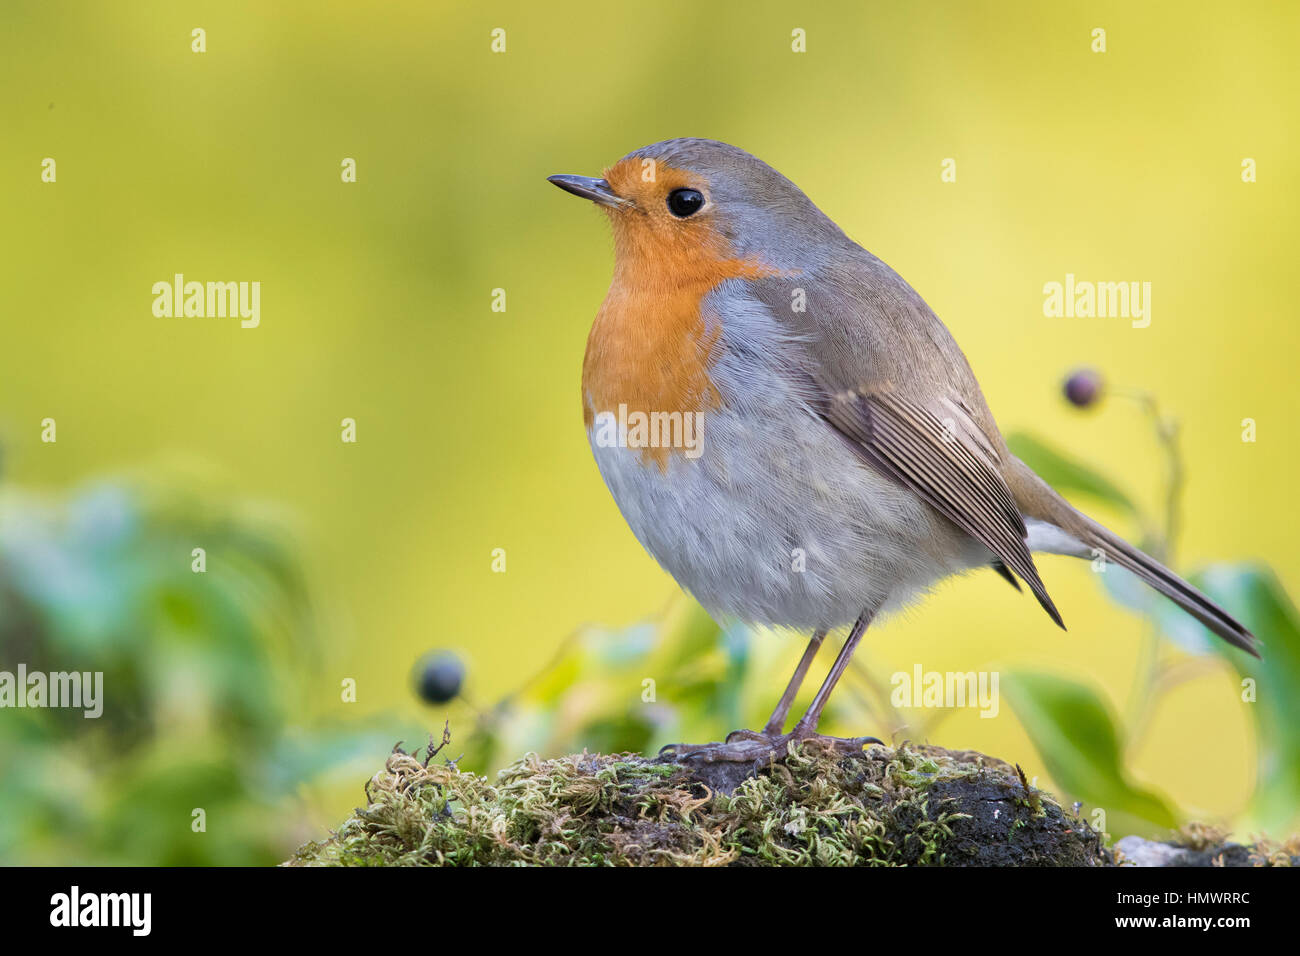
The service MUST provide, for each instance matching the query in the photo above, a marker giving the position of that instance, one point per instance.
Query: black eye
(685, 202)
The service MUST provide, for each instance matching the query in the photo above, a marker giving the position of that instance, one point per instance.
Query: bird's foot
(749, 746)
(741, 746)
(843, 745)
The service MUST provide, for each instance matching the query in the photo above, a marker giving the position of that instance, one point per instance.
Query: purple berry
(1083, 387)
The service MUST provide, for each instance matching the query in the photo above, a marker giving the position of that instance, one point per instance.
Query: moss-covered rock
(914, 805)
(1198, 844)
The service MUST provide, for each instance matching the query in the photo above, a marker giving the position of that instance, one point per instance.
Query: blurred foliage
(200, 669)
(1259, 600)
(203, 670)
(1070, 725)
(595, 694)
(1067, 476)
(1075, 735)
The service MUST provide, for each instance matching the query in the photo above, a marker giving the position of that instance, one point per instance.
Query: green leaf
(1074, 734)
(1253, 594)
(1065, 474)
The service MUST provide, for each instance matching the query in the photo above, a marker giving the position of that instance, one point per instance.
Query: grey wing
(886, 373)
(914, 446)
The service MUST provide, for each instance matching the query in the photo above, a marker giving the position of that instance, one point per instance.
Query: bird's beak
(597, 190)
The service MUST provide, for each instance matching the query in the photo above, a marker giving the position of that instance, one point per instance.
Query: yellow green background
(376, 296)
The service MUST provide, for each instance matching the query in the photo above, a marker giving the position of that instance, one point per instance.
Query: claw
(743, 746)
(842, 744)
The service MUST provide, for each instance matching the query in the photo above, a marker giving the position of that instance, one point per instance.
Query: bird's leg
(745, 745)
(776, 722)
(806, 729)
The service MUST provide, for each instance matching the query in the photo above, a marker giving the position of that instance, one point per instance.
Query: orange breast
(651, 348)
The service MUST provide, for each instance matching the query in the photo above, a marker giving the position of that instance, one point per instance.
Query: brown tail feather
(1036, 499)
(1170, 585)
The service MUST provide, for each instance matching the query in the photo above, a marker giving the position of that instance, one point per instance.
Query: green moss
(910, 806)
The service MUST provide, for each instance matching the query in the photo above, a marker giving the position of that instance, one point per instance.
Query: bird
(792, 432)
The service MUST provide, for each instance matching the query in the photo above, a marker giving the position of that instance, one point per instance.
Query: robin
(790, 430)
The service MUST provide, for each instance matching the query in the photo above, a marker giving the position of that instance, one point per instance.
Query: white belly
(777, 522)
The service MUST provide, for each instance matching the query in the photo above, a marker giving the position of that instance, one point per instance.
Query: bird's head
(700, 201)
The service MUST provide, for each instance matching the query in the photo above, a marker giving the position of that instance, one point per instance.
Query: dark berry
(439, 676)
